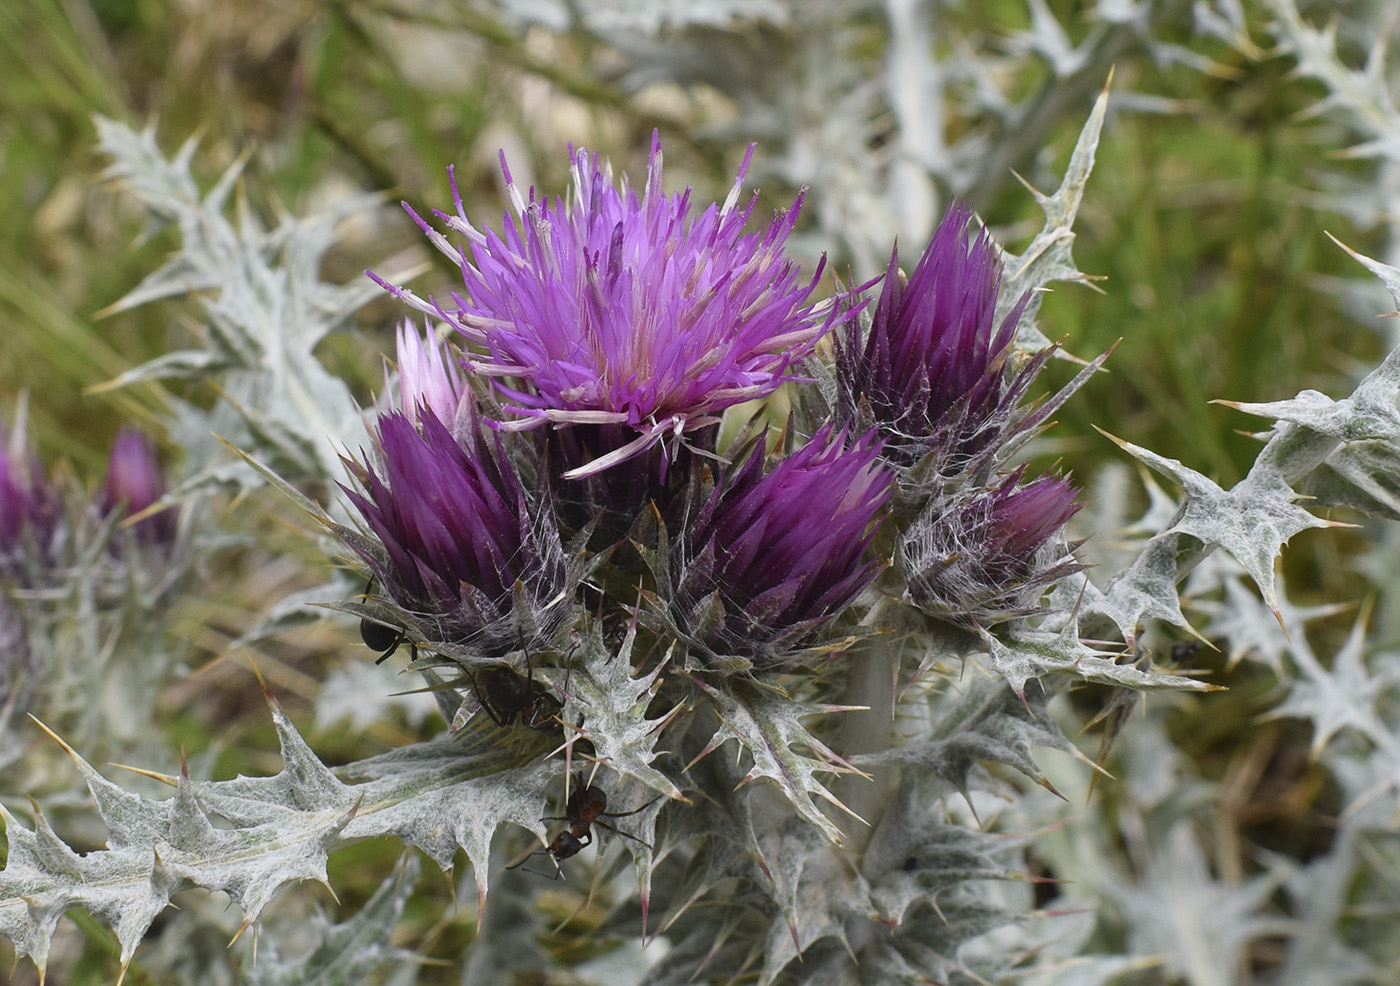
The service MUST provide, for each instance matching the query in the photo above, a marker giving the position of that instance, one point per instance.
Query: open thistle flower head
(458, 532)
(135, 482)
(31, 512)
(769, 558)
(929, 369)
(613, 308)
(991, 556)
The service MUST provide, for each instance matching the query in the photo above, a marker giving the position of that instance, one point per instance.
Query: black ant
(381, 636)
(586, 807)
(506, 696)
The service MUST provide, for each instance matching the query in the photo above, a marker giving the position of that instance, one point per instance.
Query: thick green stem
(872, 682)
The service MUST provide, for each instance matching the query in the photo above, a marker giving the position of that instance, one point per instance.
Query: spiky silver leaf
(827, 891)
(1346, 696)
(1252, 521)
(913, 858)
(266, 310)
(1201, 925)
(1049, 257)
(359, 950)
(767, 726)
(900, 912)
(1146, 589)
(982, 722)
(1025, 654)
(440, 796)
(1252, 629)
(1347, 448)
(611, 704)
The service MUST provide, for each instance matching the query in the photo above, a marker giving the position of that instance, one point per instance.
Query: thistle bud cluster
(42, 520)
(68, 556)
(614, 330)
(597, 342)
(937, 379)
(565, 493)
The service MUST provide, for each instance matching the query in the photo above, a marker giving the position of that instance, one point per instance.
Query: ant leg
(623, 814)
(558, 873)
(481, 699)
(626, 835)
(634, 811)
(388, 653)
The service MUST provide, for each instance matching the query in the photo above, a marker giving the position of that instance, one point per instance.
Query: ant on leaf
(587, 806)
(506, 696)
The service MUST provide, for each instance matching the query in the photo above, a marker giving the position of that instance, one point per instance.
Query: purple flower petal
(426, 378)
(30, 511)
(457, 528)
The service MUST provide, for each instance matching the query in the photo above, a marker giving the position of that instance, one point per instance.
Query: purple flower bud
(992, 556)
(617, 309)
(427, 379)
(782, 553)
(930, 367)
(134, 482)
(458, 530)
(30, 512)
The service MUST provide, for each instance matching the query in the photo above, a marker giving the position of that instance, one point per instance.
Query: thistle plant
(715, 599)
(748, 597)
(75, 568)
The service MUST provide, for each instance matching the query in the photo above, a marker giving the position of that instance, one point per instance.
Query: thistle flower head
(134, 482)
(930, 367)
(769, 558)
(31, 513)
(991, 556)
(457, 529)
(613, 308)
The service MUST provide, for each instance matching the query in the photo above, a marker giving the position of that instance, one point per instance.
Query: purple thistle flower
(31, 513)
(457, 529)
(930, 368)
(769, 558)
(629, 311)
(991, 557)
(135, 482)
